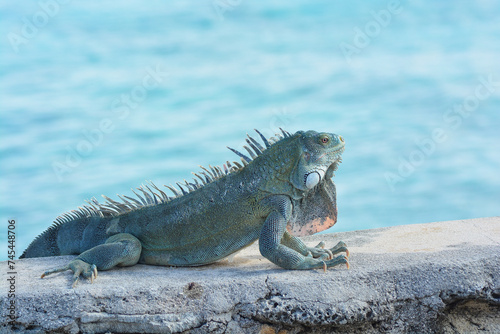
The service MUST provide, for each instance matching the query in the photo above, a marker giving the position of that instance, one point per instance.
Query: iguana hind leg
(287, 251)
(119, 250)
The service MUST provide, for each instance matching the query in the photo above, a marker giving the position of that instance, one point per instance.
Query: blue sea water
(96, 98)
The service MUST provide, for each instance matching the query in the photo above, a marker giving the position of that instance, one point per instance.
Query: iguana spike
(190, 188)
(196, 184)
(207, 177)
(226, 171)
(94, 211)
(120, 207)
(202, 181)
(137, 204)
(173, 190)
(76, 214)
(212, 176)
(182, 189)
(89, 210)
(250, 152)
(142, 199)
(157, 198)
(244, 162)
(148, 197)
(92, 205)
(263, 138)
(97, 204)
(256, 146)
(285, 133)
(163, 195)
(86, 210)
(237, 164)
(130, 205)
(214, 172)
(109, 199)
(109, 210)
(219, 169)
(113, 204)
(247, 159)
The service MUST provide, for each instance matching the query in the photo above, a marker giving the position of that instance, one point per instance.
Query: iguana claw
(94, 271)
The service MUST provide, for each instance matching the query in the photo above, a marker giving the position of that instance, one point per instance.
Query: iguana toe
(53, 271)
(76, 277)
(341, 259)
(320, 245)
(339, 248)
(320, 253)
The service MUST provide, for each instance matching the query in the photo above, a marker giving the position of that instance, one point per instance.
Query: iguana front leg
(122, 249)
(287, 251)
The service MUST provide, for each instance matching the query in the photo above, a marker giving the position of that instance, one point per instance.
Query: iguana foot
(78, 267)
(319, 252)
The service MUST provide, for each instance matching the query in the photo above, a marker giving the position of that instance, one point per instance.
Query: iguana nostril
(341, 139)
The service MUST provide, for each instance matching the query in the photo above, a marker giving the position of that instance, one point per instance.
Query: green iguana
(280, 190)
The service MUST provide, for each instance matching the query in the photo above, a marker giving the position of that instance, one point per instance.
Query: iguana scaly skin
(281, 189)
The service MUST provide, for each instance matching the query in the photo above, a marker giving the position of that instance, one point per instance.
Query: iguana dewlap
(278, 191)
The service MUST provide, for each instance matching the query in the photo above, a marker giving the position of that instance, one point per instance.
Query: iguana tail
(44, 245)
(73, 236)
(72, 232)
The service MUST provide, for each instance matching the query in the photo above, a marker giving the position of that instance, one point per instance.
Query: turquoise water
(99, 97)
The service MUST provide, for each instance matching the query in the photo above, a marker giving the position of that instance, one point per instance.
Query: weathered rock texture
(439, 277)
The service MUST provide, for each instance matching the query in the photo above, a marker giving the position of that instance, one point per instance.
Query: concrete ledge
(438, 277)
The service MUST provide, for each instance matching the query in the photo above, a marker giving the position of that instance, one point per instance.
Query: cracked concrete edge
(405, 278)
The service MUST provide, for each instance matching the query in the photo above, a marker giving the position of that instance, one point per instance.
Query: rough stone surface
(438, 277)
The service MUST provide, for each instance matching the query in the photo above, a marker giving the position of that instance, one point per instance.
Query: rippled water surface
(96, 98)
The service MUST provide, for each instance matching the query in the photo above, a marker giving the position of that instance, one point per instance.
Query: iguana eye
(325, 140)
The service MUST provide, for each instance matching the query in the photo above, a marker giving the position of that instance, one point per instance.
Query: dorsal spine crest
(152, 195)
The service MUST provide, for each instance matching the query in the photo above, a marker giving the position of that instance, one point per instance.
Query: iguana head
(319, 158)
(300, 166)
